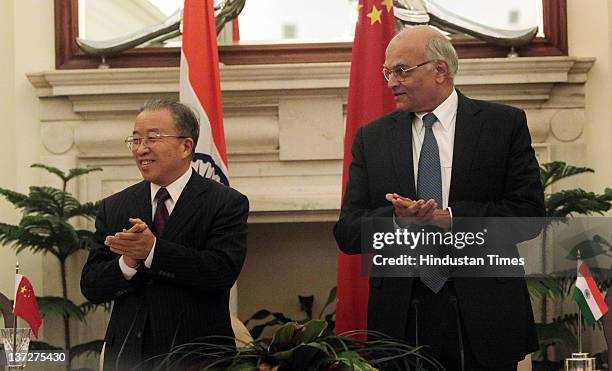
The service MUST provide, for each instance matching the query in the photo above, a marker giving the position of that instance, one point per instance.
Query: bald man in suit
(440, 156)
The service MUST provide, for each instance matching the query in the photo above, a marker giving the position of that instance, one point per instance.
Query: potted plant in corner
(45, 227)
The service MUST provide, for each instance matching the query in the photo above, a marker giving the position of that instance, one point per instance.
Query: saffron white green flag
(587, 295)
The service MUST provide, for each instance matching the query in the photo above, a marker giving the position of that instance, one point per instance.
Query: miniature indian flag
(587, 295)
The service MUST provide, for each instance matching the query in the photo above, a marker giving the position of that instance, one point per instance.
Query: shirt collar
(175, 188)
(445, 112)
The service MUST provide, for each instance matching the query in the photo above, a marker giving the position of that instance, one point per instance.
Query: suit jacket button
(139, 335)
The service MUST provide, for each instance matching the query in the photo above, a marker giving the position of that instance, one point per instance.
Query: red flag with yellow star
(368, 99)
(25, 305)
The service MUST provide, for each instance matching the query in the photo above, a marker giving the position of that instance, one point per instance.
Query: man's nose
(142, 148)
(392, 82)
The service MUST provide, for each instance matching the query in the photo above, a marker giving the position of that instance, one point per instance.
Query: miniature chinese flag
(25, 305)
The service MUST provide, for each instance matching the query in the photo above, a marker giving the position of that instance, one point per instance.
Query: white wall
(26, 41)
(590, 34)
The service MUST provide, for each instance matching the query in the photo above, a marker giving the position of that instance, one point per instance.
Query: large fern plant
(46, 227)
(560, 205)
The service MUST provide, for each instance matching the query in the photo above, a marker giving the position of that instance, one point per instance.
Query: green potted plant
(560, 332)
(305, 347)
(45, 227)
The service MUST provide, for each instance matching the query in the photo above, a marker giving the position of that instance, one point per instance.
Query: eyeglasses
(401, 72)
(150, 140)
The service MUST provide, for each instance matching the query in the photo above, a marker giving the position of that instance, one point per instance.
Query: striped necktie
(429, 186)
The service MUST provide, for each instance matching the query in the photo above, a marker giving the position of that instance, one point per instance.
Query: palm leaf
(13, 197)
(93, 347)
(87, 307)
(552, 172)
(549, 287)
(58, 306)
(84, 238)
(577, 201)
(48, 201)
(41, 345)
(9, 233)
(21, 239)
(52, 170)
(87, 210)
(54, 231)
(331, 298)
(75, 172)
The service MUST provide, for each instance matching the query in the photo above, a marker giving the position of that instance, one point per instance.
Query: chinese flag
(368, 99)
(25, 305)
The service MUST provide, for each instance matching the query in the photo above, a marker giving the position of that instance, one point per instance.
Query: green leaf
(13, 197)
(84, 238)
(284, 336)
(52, 231)
(549, 287)
(278, 319)
(554, 171)
(87, 307)
(306, 303)
(355, 361)
(9, 234)
(21, 239)
(51, 169)
(41, 345)
(57, 306)
(588, 249)
(76, 172)
(260, 314)
(48, 201)
(310, 331)
(331, 298)
(93, 347)
(577, 201)
(87, 210)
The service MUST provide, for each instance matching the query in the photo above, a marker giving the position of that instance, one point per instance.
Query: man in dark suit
(168, 249)
(440, 156)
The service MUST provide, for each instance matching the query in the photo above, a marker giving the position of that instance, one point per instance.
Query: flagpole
(579, 312)
(15, 317)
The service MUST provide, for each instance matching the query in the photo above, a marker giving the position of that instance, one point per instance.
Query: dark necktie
(161, 211)
(429, 186)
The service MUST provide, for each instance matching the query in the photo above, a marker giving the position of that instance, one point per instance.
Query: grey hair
(185, 119)
(440, 48)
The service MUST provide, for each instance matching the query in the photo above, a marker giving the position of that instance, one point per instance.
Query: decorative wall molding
(284, 123)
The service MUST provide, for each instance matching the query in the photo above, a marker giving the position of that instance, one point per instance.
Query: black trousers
(435, 323)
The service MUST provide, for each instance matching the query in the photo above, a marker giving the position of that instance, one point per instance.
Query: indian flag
(587, 295)
(200, 87)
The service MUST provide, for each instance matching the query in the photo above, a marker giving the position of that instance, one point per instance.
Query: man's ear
(442, 71)
(188, 147)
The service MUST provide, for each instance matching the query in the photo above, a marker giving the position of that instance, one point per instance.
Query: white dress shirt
(174, 189)
(444, 131)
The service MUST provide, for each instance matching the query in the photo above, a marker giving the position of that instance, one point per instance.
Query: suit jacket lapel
(142, 202)
(467, 132)
(399, 134)
(184, 208)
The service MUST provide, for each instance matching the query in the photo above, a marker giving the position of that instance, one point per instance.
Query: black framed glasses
(401, 72)
(133, 142)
